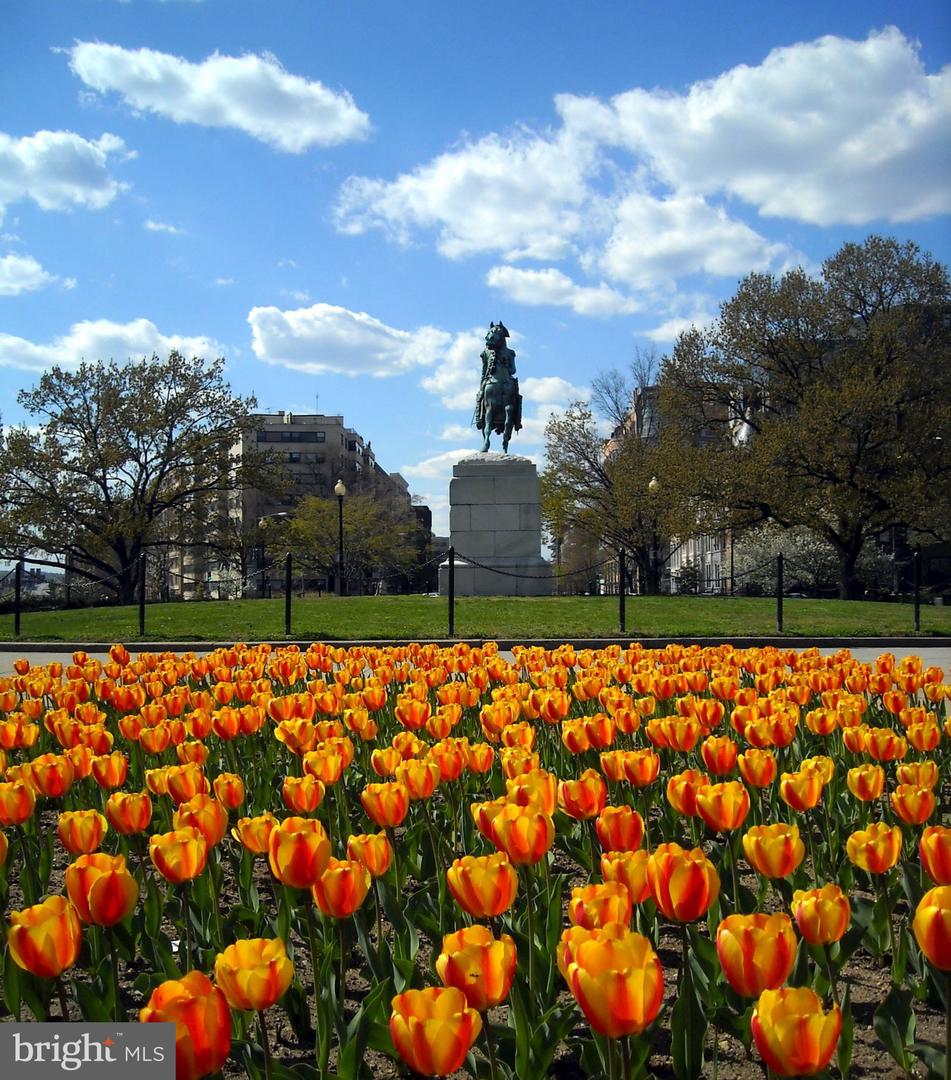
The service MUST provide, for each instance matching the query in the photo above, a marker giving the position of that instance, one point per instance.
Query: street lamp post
(263, 569)
(340, 490)
(653, 487)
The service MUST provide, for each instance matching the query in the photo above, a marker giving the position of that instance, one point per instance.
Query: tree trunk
(849, 585)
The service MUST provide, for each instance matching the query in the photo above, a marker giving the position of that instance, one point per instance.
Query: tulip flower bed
(353, 863)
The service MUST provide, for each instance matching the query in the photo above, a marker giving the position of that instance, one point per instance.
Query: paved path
(940, 657)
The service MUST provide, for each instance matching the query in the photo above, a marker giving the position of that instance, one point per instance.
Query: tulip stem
(343, 963)
(595, 844)
(490, 1046)
(530, 905)
(737, 906)
(265, 1045)
(947, 1027)
(312, 941)
(61, 994)
(391, 835)
(881, 883)
(830, 971)
(612, 1059)
(114, 958)
(625, 1057)
(379, 917)
(186, 897)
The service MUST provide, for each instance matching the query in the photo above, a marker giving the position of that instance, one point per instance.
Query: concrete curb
(797, 642)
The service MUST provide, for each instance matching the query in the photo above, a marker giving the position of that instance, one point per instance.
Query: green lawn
(422, 618)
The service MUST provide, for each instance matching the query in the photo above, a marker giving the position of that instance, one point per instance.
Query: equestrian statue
(498, 404)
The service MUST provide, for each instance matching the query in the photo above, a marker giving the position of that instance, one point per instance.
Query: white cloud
(455, 381)
(551, 390)
(522, 195)
(551, 286)
(324, 338)
(251, 93)
(828, 131)
(58, 170)
(655, 241)
(222, 282)
(22, 273)
(162, 226)
(669, 330)
(648, 187)
(101, 339)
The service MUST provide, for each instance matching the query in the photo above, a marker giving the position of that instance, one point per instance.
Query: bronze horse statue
(498, 404)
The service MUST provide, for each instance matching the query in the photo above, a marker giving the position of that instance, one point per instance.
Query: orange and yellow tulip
(341, 888)
(110, 770)
(683, 883)
(619, 828)
(723, 806)
(180, 855)
(254, 973)
(801, 790)
(45, 939)
(774, 850)
(202, 1019)
(756, 952)
(129, 812)
(101, 888)
(386, 804)
(17, 802)
(757, 767)
(913, 804)
(792, 1033)
(935, 850)
(822, 915)
(81, 831)
(932, 926)
(484, 885)
(523, 833)
(479, 964)
(866, 782)
(585, 797)
(204, 813)
(618, 981)
(298, 851)
(433, 1029)
(593, 906)
(875, 849)
(629, 868)
(373, 851)
(229, 790)
(302, 794)
(253, 833)
(719, 753)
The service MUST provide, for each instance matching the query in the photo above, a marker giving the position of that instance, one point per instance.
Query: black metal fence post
(916, 563)
(452, 591)
(779, 593)
(621, 591)
(17, 596)
(288, 572)
(142, 595)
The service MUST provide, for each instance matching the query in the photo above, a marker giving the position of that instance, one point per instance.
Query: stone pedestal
(495, 520)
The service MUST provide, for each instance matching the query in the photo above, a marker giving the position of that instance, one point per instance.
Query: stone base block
(531, 576)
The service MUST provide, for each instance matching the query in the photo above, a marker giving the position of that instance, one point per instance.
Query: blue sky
(338, 198)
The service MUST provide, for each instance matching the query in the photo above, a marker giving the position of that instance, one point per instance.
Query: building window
(293, 458)
(352, 445)
(320, 436)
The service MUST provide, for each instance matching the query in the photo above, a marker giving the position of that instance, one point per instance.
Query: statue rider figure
(499, 403)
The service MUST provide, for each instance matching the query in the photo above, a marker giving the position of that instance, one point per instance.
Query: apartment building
(314, 451)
